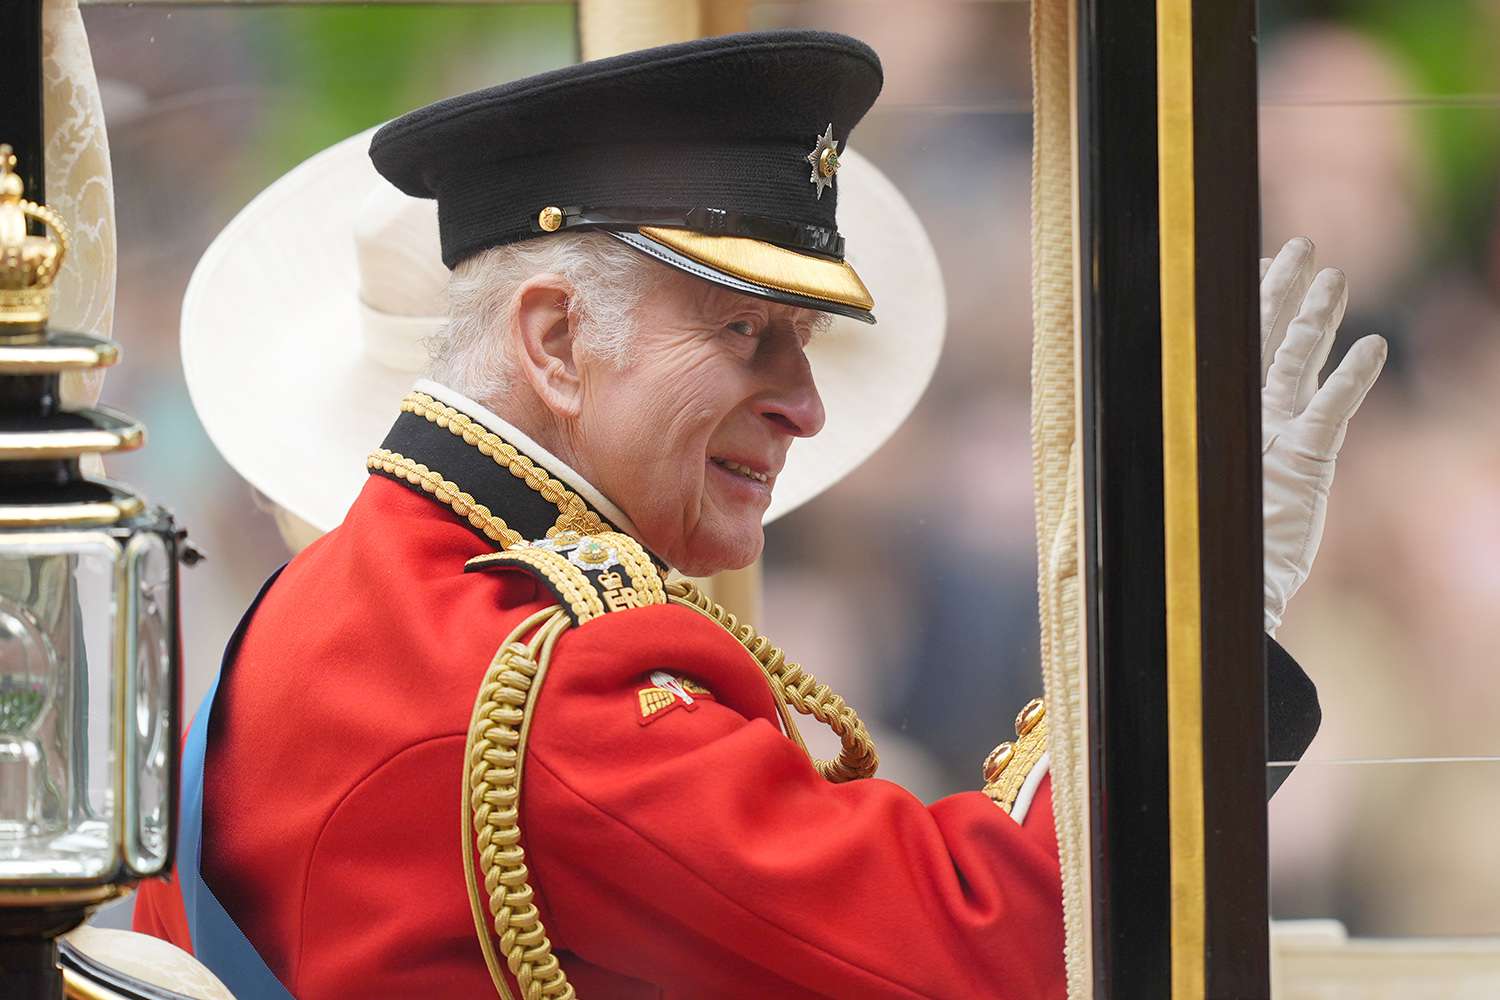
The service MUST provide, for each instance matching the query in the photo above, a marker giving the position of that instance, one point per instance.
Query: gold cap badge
(825, 160)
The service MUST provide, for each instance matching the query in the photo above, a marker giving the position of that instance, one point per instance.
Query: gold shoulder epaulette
(1009, 764)
(590, 574)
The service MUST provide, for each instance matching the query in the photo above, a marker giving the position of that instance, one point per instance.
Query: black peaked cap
(719, 125)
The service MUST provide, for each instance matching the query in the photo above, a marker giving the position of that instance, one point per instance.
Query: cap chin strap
(800, 236)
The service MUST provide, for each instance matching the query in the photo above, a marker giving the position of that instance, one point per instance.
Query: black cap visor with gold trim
(741, 133)
(760, 269)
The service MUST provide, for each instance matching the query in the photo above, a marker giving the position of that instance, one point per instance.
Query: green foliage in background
(1450, 49)
(353, 67)
(1453, 49)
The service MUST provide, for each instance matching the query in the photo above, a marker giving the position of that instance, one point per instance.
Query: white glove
(1302, 426)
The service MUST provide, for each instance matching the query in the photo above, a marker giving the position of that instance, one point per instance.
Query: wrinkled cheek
(681, 411)
(667, 486)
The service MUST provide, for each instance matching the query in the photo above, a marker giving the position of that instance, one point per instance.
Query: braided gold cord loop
(502, 903)
(494, 755)
(795, 687)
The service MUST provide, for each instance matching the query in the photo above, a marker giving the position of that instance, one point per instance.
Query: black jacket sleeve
(1292, 712)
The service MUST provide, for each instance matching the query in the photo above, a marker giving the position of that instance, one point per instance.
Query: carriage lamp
(88, 629)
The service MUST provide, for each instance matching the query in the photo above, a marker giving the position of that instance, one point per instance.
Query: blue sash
(217, 942)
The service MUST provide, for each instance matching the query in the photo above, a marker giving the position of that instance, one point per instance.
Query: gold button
(1029, 716)
(996, 761)
(550, 219)
(828, 162)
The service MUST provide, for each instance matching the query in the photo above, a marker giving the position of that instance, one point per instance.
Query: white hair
(471, 354)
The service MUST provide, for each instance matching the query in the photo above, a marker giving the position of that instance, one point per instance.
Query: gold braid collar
(445, 491)
(572, 513)
(480, 476)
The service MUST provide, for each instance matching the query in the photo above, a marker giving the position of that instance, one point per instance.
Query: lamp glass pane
(149, 726)
(57, 762)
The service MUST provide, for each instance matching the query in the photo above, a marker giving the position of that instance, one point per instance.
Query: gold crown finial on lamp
(28, 264)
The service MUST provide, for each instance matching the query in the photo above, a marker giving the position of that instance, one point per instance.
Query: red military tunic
(687, 851)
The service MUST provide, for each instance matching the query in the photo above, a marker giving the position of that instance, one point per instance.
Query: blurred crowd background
(911, 585)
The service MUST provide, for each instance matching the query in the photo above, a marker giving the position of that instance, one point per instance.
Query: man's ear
(543, 340)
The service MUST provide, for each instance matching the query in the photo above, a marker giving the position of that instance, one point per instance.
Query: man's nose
(793, 404)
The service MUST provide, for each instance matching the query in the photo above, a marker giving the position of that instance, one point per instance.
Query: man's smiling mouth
(743, 470)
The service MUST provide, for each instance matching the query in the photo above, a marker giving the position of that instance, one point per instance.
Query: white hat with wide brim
(296, 377)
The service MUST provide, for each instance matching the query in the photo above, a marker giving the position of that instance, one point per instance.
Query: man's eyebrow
(806, 323)
(719, 302)
(810, 324)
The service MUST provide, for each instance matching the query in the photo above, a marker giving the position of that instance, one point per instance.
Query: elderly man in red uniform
(472, 742)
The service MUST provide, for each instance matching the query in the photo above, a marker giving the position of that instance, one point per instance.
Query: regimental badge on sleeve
(669, 691)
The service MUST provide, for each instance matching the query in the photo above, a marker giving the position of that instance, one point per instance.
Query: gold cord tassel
(794, 687)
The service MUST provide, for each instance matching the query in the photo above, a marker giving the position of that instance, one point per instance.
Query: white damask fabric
(81, 190)
(80, 187)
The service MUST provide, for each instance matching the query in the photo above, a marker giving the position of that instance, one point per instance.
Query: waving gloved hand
(1303, 425)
